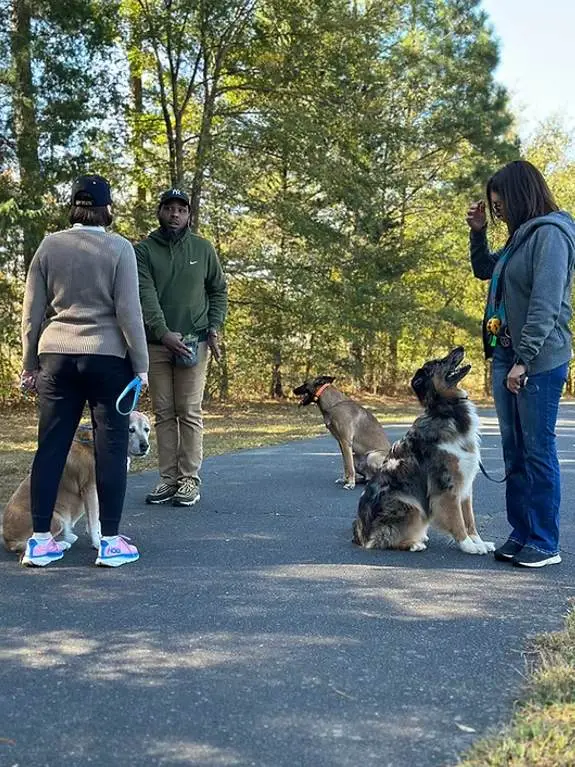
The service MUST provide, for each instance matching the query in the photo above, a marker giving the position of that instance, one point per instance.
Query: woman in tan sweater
(83, 340)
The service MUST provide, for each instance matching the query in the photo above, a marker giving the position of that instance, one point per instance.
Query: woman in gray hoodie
(526, 333)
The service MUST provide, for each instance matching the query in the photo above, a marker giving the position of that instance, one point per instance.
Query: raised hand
(476, 217)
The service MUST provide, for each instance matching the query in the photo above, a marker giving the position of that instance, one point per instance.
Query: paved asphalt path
(252, 632)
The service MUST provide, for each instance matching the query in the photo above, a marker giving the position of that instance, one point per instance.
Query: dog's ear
(324, 380)
(418, 382)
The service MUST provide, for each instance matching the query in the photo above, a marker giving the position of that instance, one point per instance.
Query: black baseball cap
(91, 192)
(174, 194)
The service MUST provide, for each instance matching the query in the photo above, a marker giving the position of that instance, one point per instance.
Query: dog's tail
(368, 504)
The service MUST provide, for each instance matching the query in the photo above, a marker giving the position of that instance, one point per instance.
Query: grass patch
(17, 446)
(227, 428)
(542, 732)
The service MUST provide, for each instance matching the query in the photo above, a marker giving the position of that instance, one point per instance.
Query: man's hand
(476, 218)
(214, 345)
(28, 381)
(143, 378)
(173, 342)
(516, 378)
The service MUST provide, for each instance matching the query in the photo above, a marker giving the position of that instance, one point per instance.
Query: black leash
(486, 475)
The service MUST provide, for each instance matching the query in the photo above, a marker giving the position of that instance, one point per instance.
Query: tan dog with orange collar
(77, 496)
(363, 442)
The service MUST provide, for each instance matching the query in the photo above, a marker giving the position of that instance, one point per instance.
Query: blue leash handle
(136, 386)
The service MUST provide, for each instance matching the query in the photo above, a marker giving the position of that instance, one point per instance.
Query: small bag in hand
(182, 361)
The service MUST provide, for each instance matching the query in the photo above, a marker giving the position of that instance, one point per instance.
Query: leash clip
(135, 385)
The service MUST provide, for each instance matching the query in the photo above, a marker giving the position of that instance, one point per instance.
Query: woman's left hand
(516, 378)
(28, 381)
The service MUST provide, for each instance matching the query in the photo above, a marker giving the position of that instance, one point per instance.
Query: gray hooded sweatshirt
(537, 286)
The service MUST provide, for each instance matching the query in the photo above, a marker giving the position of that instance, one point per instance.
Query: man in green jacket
(183, 294)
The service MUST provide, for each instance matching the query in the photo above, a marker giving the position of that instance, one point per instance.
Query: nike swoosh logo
(193, 262)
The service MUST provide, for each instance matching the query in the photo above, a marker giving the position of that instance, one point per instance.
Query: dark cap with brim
(91, 192)
(174, 194)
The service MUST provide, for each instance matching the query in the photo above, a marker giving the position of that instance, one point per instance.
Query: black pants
(65, 383)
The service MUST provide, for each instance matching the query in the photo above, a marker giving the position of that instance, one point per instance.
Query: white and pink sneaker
(115, 551)
(39, 553)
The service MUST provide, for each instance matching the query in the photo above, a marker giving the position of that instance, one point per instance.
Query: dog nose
(143, 447)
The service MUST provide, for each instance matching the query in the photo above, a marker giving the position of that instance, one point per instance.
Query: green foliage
(56, 86)
(330, 149)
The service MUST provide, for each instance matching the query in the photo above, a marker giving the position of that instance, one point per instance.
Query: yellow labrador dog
(77, 495)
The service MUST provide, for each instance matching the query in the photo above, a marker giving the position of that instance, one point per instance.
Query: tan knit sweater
(82, 298)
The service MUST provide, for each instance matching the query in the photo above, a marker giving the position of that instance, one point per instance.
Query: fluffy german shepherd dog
(361, 438)
(428, 475)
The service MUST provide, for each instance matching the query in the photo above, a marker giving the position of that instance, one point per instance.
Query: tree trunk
(25, 126)
(140, 208)
(393, 367)
(309, 358)
(358, 362)
(224, 380)
(276, 389)
(202, 153)
(178, 179)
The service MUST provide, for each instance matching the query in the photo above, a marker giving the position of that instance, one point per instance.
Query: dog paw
(349, 485)
(340, 481)
(70, 538)
(472, 547)
(96, 543)
(419, 546)
(487, 545)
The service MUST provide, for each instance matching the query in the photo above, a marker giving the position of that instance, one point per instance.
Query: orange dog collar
(320, 391)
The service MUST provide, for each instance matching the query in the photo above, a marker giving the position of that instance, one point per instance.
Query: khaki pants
(177, 394)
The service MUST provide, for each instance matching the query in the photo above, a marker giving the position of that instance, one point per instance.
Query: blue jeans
(527, 423)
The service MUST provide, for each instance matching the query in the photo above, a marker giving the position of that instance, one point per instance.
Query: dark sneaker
(162, 493)
(506, 552)
(188, 492)
(529, 557)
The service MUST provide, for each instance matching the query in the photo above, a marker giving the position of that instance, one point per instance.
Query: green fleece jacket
(182, 285)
